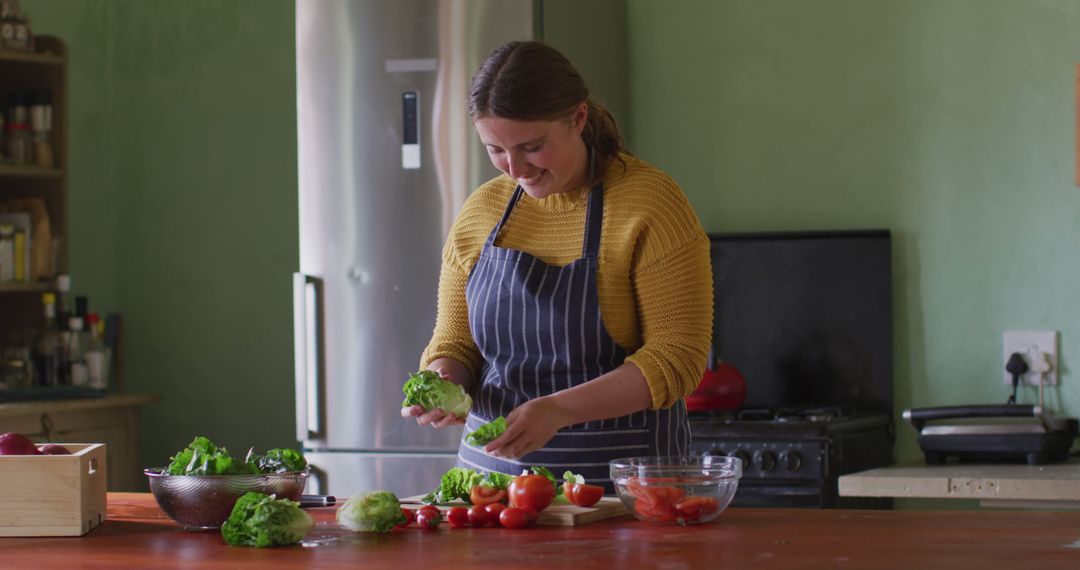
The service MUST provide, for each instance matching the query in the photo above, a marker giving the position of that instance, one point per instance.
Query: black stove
(793, 457)
(806, 318)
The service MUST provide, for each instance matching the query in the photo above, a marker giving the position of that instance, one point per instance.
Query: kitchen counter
(1056, 485)
(138, 535)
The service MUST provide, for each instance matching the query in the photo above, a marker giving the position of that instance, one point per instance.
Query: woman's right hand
(434, 417)
(437, 417)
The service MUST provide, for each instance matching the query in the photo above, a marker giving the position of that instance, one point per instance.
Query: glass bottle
(97, 354)
(50, 349)
(76, 352)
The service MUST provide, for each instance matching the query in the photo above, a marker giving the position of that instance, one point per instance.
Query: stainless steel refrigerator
(386, 158)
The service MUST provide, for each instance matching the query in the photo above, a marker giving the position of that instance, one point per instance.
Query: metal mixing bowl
(203, 502)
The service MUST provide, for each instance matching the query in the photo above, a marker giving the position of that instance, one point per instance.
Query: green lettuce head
(376, 511)
(427, 389)
(261, 520)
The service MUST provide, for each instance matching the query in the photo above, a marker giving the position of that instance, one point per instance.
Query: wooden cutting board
(561, 514)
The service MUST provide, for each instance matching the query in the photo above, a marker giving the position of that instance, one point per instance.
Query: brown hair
(532, 81)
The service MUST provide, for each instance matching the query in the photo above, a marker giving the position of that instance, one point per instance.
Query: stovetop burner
(794, 422)
(784, 414)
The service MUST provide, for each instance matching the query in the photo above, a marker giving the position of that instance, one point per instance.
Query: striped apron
(539, 330)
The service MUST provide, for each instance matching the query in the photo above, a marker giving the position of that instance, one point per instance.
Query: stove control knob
(742, 456)
(792, 460)
(766, 460)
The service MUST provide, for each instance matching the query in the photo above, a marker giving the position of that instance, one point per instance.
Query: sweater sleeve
(452, 337)
(674, 294)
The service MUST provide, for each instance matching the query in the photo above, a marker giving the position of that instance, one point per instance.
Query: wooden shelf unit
(43, 70)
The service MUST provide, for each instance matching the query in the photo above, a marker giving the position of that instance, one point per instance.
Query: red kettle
(722, 387)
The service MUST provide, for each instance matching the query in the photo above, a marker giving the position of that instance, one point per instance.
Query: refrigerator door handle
(307, 329)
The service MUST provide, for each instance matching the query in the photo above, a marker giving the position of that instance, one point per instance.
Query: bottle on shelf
(41, 128)
(97, 354)
(50, 350)
(18, 140)
(76, 352)
(65, 307)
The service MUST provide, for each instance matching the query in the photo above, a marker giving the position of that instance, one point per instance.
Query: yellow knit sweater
(654, 276)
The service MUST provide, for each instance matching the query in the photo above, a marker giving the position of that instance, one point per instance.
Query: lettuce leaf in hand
(484, 434)
(428, 390)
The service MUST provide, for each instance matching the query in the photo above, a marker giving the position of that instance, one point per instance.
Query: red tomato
(410, 517)
(582, 494)
(516, 517)
(481, 495)
(693, 508)
(478, 516)
(426, 521)
(493, 511)
(642, 489)
(655, 511)
(458, 517)
(531, 492)
(431, 510)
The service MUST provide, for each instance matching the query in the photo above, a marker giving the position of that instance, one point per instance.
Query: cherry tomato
(493, 511)
(481, 495)
(410, 517)
(531, 492)
(458, 517)
(479, 517)
(426, 521)
(582, 494)
(431, 510)
(690, 509)
(516, 517)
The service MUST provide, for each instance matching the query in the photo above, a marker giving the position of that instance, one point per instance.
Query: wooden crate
(53, 495)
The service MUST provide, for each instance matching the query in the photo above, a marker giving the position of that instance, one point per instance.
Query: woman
(575, 296)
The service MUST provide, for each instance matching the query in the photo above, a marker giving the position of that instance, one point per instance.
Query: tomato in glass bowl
(684, 490)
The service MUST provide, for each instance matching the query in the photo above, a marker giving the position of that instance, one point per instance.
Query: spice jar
(20, 143)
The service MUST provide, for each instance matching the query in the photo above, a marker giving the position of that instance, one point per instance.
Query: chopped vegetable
(202, 457)
(281, 460)
(580, 493)
(375, 511)
(427, 389)
(458, 482)
(484, 434)
(261, 520)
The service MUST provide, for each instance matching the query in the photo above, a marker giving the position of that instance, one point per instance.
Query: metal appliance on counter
(387, 156)
(806, 318)
(993, 433)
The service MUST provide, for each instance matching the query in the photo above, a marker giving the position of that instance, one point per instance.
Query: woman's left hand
(528, 428)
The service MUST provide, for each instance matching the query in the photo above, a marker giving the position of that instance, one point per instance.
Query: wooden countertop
(1056, 485)
(138, 535)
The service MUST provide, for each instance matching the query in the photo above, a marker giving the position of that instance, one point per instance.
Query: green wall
(947, 121)
(183, 201)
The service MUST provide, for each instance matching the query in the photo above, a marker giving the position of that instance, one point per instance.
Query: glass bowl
(681, 490)
(204, 502)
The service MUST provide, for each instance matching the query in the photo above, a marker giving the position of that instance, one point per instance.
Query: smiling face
(544, 157)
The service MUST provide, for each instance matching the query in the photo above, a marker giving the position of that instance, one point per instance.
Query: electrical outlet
(1029, 344)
